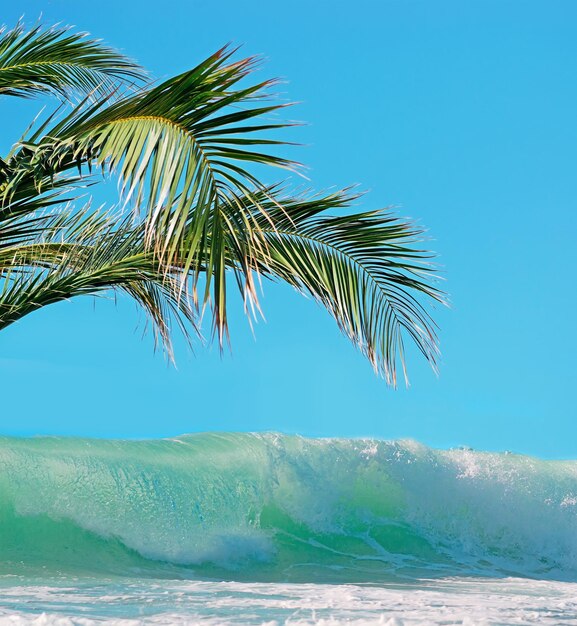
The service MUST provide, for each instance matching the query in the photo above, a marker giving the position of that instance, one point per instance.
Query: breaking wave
(276, 507)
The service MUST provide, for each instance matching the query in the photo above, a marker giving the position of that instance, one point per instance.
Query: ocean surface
(229, 528)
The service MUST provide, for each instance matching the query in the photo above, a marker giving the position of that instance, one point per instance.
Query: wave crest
(269, 506)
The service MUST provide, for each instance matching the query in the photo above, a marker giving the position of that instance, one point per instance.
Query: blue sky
(462, 115)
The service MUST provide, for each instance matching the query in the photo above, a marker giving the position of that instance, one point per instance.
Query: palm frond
(38, 60)
(91, 253)
(26, 205)
(183, 149)
(27, 196)
(185, 152)
(365, 268)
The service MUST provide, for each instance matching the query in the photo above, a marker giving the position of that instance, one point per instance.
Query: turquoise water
(163, 528)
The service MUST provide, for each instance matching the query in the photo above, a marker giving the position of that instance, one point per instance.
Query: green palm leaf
(54, 60)
(186, 152)
(183, 149)
(90, 253)
(364, 268)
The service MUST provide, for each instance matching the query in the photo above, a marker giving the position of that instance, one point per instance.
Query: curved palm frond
(364, 268)
(182, 149)
(37, 61)
(28, 196)
(185, 152)
(90, 253)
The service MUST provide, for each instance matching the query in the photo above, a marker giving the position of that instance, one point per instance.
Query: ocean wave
(278, 507)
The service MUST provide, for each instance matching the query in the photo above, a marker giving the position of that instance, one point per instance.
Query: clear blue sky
(462, 114)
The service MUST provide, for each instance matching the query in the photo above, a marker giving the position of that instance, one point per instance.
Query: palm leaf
(185, 152)
(364, 268)
(37, 61)
(90, 253)
(183, 149)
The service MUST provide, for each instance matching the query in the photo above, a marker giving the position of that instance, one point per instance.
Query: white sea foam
(463, 602)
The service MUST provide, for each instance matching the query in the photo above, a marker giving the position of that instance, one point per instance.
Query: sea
(271, 529)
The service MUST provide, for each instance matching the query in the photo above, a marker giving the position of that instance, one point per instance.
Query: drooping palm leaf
(185, 152)
(364, 268)
(90, 253)
(55, 60)
(182, 149)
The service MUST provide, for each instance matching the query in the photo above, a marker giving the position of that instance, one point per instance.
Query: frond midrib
(44, 63)
(157, 118)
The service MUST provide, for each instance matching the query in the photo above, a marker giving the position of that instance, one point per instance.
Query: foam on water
(463, 601)
(269, 507)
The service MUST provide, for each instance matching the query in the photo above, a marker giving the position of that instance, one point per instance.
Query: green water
(269, 507)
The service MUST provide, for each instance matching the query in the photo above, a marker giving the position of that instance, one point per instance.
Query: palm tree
(193, 210)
